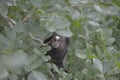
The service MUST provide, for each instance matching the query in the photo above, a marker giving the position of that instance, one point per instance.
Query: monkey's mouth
(55, 44)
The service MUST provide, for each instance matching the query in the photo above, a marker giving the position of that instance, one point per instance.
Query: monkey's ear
(48, 39)
(55, 34)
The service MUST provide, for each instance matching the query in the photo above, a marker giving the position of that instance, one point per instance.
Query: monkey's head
(54, 41)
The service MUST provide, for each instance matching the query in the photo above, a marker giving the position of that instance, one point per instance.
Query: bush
(93, 26)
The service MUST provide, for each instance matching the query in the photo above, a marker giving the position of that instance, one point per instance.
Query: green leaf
(33, 63)
(98, 50)
(36, 76)
(107, 32)
(65, 32)
(98, 8)
(107, 66)
(74, 14)
(44, 3)
(19, 27)
(36, 51)
(16, 60)
(110, 41)
(3, 7)
(4, 41)
(3, 73)
(80, 54)
(85, 71)
(7, 51)
(116, 2)
(10, 34)
(55, 68)
(36, 3)
(100, 76)
(13, 77)
(57, 23)
(98, 64)
(93, 23)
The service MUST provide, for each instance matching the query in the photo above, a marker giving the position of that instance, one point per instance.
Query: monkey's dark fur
(59, 49)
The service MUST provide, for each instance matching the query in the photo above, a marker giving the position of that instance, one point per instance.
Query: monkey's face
(55, 41)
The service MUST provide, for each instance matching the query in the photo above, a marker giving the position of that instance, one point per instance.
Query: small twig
(29, 15)
(26, 18)
(37, 39)
(49, 61)
(8, 20)
(52, 75)
(81, 4)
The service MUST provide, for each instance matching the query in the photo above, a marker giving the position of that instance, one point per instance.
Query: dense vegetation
(94, 28)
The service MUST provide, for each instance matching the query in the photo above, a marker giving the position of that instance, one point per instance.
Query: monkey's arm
(50, 52)
(48, 39)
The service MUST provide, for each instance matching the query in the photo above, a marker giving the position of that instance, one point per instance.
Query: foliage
(93, 25)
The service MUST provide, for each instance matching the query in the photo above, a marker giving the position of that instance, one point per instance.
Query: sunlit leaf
(93, 23)
(98, 64)
(55, 68)
(98, 8)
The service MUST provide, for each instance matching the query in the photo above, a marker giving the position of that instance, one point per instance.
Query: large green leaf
(98, 64)
(55, 22)
(13, 77)
(3, 73)
(16, 60)
(81, 54)
(35, 75)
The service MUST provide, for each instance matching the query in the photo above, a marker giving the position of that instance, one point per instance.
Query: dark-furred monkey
(59, 47)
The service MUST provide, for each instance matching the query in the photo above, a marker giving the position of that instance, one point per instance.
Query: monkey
(59, 47)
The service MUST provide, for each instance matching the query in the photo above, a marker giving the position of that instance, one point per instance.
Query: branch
(29, 15)
(8, 20)
(52, 75)
(37, 39)
(81, 4)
